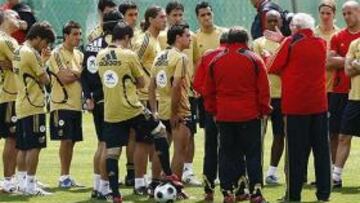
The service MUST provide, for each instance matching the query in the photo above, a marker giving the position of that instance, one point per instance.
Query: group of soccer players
(139, 86)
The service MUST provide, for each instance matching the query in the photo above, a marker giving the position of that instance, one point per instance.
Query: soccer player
(300, 61)
(94, 99)
(171, 79)
(340, 43)
(120, 73)
(29, 67)
(104, 6)
(210, 167)
(147, 47)
(130, 11)
(65, 66)
(237, 110)
(175, 12)
(8, 92)
(266, 48)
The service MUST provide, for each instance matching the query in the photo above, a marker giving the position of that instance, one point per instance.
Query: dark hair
(328, 3)
(105, 3)
(126, 5)
(110, 19)
(69, 26)
(238, 35)
(2, 16)
(151, 12)
(175, 30)
(122, 29)
(173, 5)
(224, 37)
(43, 30)
(201, 5)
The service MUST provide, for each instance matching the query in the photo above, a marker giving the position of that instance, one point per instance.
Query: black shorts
(187, 121)
(66, 125)
(117, 134)
(31, 132)
(7, 120)
(351, 119)
(194, 114)
(277, 119)
(98, 117)
(337, 106)
(167, 125)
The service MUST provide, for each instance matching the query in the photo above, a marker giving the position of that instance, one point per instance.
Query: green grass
(48, 172)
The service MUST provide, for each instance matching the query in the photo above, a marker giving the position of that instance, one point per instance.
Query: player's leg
(181, 138)
(141, 155)
(130, 149)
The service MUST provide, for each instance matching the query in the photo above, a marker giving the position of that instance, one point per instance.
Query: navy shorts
(194, 114)
(351, 119)
(31, 132)
(66, 125)
(7, 120)
(98, 117)
(277, 119)
(337, 106)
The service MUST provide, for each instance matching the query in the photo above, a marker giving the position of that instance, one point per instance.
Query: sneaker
(257, 199)
(191, 179)
(129, 181)
(9, 186)
(94, 194)
(141, 191)
(68, 183)
(229, 199)
(42, 185)
(209, 197)
(117, 199)
(37, 192)
(108, 197)
(151, 188)
(272, 180)
(337, 184)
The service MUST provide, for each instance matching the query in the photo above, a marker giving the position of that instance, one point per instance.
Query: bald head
(351, 13)
(273, 20)
(9, 21)
(351, 4)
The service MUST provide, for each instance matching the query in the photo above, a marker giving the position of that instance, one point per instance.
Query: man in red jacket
(238, 88)
(300, 62)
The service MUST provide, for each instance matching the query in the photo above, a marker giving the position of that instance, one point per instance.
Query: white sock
(337, 173)
(96, 183)
(21, 179)
(139, 182)
(30, 183)
(188, 167)
(272, 171)
(104, 187)
(63, 177)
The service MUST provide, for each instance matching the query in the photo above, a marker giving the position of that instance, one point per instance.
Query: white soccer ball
(165, 193)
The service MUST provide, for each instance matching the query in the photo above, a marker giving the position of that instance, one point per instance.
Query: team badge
(90, 64)
(111, 79)
(61, 123)
(12, 129)
(42, 128)
(13, 119)
(161, 79)
(42, 139)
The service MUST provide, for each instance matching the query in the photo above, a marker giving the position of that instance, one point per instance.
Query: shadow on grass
(13, 198)
(348, 190)
(72, 190)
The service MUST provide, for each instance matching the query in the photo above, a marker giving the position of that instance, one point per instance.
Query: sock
(104, 188)
(188, 167)
(112, 169)
(162, 149)
(337, 173)
(139, 182)
(96, 184)
(30, 183)
(130, 170)
(63, 177)
(21, 179)
(272, 171)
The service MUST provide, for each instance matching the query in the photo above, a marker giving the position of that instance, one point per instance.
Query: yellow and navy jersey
(138, 33)
(95, 33)
(8, 89)
(260, 46)
(146, 47)
(29, 68)
(327, 37)
(206, 41)
(118, 70)
(65, 96)
(168, 65)
(354, 54)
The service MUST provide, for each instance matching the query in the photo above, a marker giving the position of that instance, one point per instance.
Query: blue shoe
(68, 183)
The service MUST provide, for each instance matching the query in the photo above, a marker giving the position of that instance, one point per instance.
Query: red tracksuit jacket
(238, 86)
(300, 61)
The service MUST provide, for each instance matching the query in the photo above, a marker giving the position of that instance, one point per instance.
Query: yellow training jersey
(95, 33)
(65, 97)
(206, 41)
(118, 69)
(8, 90)
(327, 37)
(146, 47)
(264, 47)
(29, 68)
(354, 54)
(170, 64)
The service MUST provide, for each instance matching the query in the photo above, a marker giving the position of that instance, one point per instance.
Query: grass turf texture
(82, 171)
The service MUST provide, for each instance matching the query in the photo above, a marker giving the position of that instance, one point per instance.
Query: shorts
(187, 121)
(66, 125)
(277, 119)
(31, 132)
(117, 134)
(351, 119)
(7, 120)
(194, 114)
(98, 117)
(337, 106)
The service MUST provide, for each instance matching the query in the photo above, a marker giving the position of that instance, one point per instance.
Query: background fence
(227, 12)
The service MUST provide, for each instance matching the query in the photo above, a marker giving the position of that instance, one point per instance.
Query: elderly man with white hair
(300, 62)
